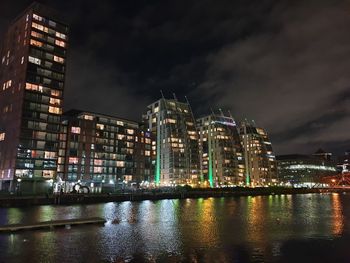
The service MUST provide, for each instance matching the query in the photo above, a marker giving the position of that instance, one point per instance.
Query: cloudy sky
(284, 64)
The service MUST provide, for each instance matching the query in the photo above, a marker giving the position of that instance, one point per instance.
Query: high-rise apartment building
(32, 75)
(260, 161)
(177, 154)
(102, 151)
(221, 152)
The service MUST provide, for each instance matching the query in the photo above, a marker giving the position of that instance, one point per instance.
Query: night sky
(284, 64)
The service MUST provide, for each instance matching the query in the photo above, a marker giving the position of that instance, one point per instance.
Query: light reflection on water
(245, 229)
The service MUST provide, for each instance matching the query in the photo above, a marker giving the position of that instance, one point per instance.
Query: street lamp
(18, 185)
(51, 185)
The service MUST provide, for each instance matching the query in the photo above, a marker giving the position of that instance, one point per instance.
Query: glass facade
(177, 155)
(304, 170)
(260, 161)
(221, 152)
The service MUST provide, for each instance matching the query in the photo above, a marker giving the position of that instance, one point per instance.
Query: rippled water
(285, 228)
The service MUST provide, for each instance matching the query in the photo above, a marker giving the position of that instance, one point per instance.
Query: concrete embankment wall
(67, 199)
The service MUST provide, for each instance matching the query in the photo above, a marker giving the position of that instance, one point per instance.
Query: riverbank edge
(71, 199)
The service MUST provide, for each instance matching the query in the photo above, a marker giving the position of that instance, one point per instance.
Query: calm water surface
(285, 228)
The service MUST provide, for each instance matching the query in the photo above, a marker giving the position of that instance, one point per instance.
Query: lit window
(120, 164)
(75, 130)
(36, 34)
(50, 155)
(40, 27)
(170, 121)
(58, 59)
(88, 117)
(2, 136)
(60, 43)
(55, 101)
(55, 93)
(36, 43)
(48, 173)
(37, 17)
(54, 110)
(7, 85)
(100, 126)
(130, 131)
(98, 162)
(97, 169)
(73, 160)
(60, 35)
(120, 136)
(120, 123)
(34, 87)
(34, 60)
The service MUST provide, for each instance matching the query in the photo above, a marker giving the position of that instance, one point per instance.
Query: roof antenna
(230, 114)
(161, 92)
(212, 112)
(176, 97)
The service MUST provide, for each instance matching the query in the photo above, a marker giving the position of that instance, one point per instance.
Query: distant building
(99, 150)
(177, 154)
(260, 161)
(304, 170)
(321, 154)
(32, 76)
(221, 152)
(344, 162)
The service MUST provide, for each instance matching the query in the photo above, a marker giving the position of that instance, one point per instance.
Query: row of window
(109, 123)
(40, 80)
(34, 144)
(48, 47)
(49, 39)
(48, 30)
(42, 89)
(41, 126)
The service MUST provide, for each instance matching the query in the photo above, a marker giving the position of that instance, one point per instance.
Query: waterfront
(279, 228)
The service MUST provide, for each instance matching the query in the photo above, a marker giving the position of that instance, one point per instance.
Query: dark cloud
(292, 77)
(282, 63)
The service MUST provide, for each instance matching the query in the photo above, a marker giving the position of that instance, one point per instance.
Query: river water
(283, 228)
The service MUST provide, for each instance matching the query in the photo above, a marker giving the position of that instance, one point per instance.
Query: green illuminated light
(157, 175)
(210, 163)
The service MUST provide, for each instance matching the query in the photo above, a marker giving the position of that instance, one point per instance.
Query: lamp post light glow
(19, 180)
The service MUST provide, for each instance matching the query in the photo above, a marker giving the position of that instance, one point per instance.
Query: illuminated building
(177, 156)
(343, 162)
(32, 74)
(99, 150)
(323, 155)
(303, 170)
(221, 153)
(260, 161)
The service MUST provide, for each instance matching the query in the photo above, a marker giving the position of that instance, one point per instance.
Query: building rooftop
(76, 113)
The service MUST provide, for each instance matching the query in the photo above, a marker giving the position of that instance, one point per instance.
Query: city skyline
(301, 116)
